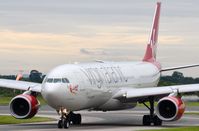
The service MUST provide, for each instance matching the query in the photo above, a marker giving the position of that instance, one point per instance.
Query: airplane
(104, 86)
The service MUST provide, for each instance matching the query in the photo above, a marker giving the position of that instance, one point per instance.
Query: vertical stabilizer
(150, 54)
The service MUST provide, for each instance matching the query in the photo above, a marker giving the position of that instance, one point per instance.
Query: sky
(42, 34)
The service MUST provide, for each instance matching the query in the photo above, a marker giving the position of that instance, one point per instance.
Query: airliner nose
(51, 93)
(47, 90)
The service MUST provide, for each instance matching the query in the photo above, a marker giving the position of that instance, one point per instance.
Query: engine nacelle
(24, 106)
(170, 108)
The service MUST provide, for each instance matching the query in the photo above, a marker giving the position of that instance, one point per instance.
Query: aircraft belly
(79, 101)
(114, 104)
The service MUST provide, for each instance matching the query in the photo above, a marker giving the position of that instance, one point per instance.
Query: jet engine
(170, 108)
(24, 106)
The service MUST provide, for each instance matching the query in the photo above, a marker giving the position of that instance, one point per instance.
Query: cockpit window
(57, 80)
(65, 80)
(49, 80)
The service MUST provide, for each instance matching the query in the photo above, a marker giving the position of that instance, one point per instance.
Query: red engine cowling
(170, 108)
(24, 106)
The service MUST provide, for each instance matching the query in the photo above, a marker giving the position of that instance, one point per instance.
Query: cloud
(85, 51)
(49, 40)
(44, 51)
(92, 51)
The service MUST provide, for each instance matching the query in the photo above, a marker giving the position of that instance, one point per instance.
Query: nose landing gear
(67, 118)
(63, 123)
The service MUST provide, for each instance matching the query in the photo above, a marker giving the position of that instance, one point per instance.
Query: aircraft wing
(20, 85)
(179, 67)
(133, 93)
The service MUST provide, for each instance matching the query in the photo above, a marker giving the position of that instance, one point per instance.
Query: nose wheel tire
(66, 123)
(60, 124)
(66, 120)
(63, 123)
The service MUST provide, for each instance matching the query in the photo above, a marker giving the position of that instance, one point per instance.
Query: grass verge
(12, 120)
(194, 128)
(5, 100)
(186, 103)
(192, 113)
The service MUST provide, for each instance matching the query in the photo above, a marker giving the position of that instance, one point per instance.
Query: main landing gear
(152, 118)
(68, 118)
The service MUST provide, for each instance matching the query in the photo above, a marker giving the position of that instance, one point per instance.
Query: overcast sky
(41, 34)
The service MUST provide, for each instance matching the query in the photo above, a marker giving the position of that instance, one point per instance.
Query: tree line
(177, 78)
(33, 76)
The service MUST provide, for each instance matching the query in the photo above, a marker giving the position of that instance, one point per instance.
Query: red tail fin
(150, 54)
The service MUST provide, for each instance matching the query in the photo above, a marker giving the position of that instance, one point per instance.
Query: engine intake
(170, 108)
(24, 106)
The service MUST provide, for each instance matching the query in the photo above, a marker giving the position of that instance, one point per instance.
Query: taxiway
(127, 120)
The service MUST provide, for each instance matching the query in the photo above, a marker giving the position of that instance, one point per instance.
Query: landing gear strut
(152, 118)
(68, 118)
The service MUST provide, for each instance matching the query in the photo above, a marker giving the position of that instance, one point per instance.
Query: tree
(177, 74)
(35, 76)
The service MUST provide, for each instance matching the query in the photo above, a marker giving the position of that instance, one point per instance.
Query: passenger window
(57, 80)
(65, 80)
(49, 80)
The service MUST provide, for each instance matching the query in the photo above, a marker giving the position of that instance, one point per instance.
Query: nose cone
(52, 94)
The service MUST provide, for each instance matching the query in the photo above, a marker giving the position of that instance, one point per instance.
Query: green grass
(12, 120)
(192, 103)
(195, 128)
(192, 113)
(4, 100)
(186, 104)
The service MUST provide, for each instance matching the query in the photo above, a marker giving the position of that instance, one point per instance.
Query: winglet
(150, 54)
(19, 77)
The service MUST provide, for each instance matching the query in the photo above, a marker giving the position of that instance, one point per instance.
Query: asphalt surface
(128, 120)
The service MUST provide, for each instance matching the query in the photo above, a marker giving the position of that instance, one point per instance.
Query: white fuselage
(93, 85)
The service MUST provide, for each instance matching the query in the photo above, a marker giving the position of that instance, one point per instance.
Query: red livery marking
(73, 88)
(150, 54)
